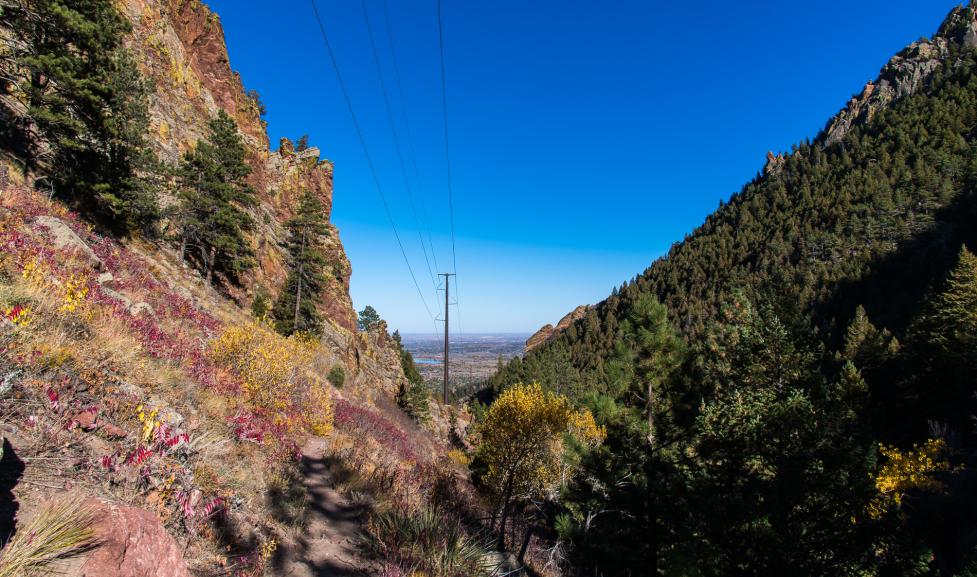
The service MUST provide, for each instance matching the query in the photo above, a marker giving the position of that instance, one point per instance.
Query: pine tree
(781, 458)
(295, 309)
(952, 325)
(942, 382)
(86, 108)
(653, 348)
(413, 397)
(216, 197)
(128, 194)
(369, 319)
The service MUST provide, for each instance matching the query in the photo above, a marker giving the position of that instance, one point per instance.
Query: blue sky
(586, 137)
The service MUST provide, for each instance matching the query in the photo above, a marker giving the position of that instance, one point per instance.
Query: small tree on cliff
(216, 197)
(295, 309)
(369, 319)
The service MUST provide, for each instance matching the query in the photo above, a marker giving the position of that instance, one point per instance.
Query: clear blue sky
(586, 137)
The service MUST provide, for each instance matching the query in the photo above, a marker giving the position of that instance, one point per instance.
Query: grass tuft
(61, 530)
(429, 542)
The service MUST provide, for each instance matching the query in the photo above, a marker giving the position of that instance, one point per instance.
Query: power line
(447, 155)
(366, 152)
(410, 136)
(393, 131)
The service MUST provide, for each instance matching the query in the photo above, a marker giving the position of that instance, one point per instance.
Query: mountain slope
(792, 434)
(180, 48)
(887, 180)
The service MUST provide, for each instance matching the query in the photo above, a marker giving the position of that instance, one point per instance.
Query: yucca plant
(62, 529)
(429, 542)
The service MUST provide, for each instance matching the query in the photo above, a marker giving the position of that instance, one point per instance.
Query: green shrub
(337, 376)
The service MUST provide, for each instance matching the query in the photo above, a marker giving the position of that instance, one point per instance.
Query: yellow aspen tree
(522, 443)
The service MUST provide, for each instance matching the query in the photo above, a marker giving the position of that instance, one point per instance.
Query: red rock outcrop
(539, 337)
(132, 543)
(181, 49)
(547, 333)
(905, 73)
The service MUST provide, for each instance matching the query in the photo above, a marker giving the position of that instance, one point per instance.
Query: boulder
(140, 308)
(112, 431)
(126, 302)
(86, 420)
(64, 238)
(132, 543)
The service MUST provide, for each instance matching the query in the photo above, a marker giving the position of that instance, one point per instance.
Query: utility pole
(446, 276)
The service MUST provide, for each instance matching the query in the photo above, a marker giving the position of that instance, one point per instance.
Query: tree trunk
(505, 510)
(31, 135)
(298, 282)
(651, 414)
(525, 545)
(210, 263)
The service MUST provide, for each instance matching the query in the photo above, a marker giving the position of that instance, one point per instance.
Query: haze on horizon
(584, 142)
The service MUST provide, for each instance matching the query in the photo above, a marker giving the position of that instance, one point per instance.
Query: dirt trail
(332, 543)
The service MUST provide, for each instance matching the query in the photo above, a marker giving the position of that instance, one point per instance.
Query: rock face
(132, 543)
(64, 238)
(180, 48)
(546, 333)
(905, 73)
(539, 337)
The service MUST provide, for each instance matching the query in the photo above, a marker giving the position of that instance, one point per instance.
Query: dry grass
(60, 530)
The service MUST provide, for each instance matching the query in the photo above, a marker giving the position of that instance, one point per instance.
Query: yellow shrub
(277, 373)
(73, 293)
(34, 272)
(459, 456)
(522, 440)
(904, 471)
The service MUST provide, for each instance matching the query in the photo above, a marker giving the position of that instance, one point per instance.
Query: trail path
(333, 541)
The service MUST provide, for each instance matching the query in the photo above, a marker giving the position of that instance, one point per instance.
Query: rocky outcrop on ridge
(905, 72)
(546, 333)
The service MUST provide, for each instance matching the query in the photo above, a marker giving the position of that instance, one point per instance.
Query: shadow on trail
(332, 535)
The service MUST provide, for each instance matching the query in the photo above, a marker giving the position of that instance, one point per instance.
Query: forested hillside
(806, 403)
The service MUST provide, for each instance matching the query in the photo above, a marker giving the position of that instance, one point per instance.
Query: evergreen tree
(216, 196)
(941, 381)
(656, 349)
(135, 176)
(780, 459)
(83, 129)
(952, 325)
(369, 319)
(295, 309)
(260, 305)
(865, 345)
(413, 396)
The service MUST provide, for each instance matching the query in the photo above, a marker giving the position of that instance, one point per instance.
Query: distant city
(473, 357)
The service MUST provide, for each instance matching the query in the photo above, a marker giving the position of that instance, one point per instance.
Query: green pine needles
(82, 134)
(216, 198)
(295, 310)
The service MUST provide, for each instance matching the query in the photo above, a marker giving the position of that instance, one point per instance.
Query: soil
(333, 542)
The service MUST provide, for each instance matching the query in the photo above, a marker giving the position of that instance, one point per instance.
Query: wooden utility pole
(446, 276)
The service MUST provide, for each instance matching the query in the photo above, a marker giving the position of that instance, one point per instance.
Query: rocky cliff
(546, 333)
(905, 72)
(180, 47)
